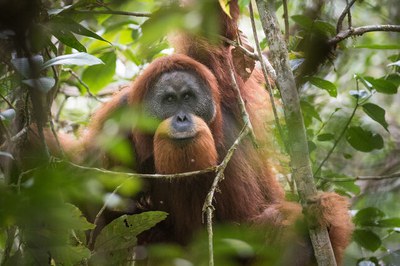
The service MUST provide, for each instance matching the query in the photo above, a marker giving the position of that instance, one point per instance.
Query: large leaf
(363, 140)
(97, 77)
(323, 84)
(367, 239)
(117, 240)
(62, 23)
(44, 83)
(382, 85)
(121, 233)
(68, 38)
(28, 66)
(377, 113)
(368, 216)
(79, 59)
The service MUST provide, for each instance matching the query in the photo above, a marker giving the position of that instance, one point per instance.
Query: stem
(343, 15)
(361, 30)
(298, 148)
(340, 136)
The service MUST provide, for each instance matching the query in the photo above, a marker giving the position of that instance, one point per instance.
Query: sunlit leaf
(225, 6)
(377, 113)
(367, 239)
(363, 140)
(80, 59)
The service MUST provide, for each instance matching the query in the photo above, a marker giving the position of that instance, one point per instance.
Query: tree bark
(298, 147)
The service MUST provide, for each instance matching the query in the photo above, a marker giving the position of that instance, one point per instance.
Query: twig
(267, 74)
(361, 30)
(343, 15)
(82, 83)
(363, 178)
(340, 135)
(286, 19)
(112, 12)
(98, 215)
(349, 23)
(208, 208)
(138, 175)
(246, 52)
(245, 115)
(7, 101)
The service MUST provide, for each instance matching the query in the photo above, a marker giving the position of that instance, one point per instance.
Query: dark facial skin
(180, 94)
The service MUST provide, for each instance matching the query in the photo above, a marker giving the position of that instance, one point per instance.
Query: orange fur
(172, 157)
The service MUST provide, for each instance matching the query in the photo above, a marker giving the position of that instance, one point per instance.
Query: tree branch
(208, 208)
(363, 178)
(112, 12)
(298, 148)
(361, 30)
(343, 15)
(267, 74)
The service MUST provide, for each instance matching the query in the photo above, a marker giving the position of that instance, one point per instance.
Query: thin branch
(7, 101)
(298, 148)
(363, 178)
(349, 23)
(208, 208)
(112, 12)
(245, 115)
(267, 74)
(361, 30)
(138, 175)
(98, 215)
(340, 135)
(246, 52)
(82, 83)
(343, 15)
(286, 19)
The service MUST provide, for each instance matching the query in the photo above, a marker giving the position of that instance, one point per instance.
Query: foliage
(65, 55)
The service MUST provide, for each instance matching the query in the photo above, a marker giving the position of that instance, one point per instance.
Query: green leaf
(309, 110)
(69, 255)
(79, 59)
(325, 137)
(377, 113)
(323, 84)
(77, 219)
(324, 26)
(44, 84)
(62, 23)
(27, 67)
(116, 241)
(382, 85)
(390, 222)
(303, 21)
(363, 140)
(379, 46)
(225, 6)
(67, 38)
(368, 216)
(98, 76)
(367, 239)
